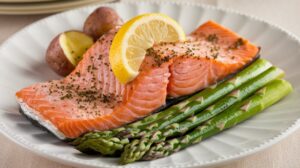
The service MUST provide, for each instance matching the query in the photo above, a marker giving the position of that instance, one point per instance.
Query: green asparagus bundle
(115, 140)
(239, 112)
(138, 147)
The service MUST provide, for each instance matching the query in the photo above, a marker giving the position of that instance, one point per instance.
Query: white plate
(44, 7)
(22, 63)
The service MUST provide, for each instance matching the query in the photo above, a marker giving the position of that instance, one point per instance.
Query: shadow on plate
(15, 117)
(49, 138)
(28, 128)
(10, 109)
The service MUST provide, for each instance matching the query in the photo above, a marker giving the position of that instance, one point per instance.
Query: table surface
(284, 154)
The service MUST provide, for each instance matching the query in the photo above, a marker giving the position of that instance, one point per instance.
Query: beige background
(285, 154)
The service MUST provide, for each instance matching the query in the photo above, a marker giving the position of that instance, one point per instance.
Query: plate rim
(71, 161)
(55, 6)
(24, 1)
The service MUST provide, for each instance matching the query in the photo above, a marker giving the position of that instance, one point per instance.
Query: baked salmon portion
(91, 98)
(210, 54)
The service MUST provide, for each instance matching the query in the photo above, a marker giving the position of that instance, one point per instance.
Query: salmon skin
(91, 98)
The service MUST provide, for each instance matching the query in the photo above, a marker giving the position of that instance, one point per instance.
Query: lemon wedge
(130, 44)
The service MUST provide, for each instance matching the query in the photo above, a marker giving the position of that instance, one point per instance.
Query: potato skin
(56, 58)
(101, 21)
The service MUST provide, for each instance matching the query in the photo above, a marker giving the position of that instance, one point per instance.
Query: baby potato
(66, 50)
(101, 21)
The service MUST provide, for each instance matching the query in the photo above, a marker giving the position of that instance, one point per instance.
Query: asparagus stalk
(175, 113)
(93, 144)
(97, 135)
(262, 99)
(137, 148)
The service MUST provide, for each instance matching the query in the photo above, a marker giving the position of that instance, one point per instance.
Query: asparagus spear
(97, 135)
(176, 112)
(262, 99)
(137, 148)
(100, 145)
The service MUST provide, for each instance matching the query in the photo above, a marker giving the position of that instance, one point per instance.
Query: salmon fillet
(211, 53)
(91, 98)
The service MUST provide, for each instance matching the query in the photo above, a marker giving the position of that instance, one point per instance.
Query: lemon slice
(129, 46)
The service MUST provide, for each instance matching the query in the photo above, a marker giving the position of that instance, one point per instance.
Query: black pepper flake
(78, 58)
(215, 55)
(99, 57)
(238, 43)
(67, 96)
(89, 68)
(188, 51)
(78, 74)
(212, 38)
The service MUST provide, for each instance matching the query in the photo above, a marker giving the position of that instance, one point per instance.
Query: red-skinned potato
(66, 50)
(100, 21)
